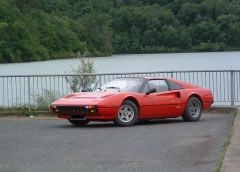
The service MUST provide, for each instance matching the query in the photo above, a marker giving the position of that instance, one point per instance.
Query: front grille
(72, 110)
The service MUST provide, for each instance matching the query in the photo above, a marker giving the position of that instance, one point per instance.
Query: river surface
(132, 63)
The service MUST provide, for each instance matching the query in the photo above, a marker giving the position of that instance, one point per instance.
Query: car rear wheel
(78, 122)
(127, 114)
(193, 110)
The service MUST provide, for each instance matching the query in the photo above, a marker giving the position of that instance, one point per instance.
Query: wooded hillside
(33, 30)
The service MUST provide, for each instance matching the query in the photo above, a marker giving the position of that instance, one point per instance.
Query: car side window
(146, 87)
(159, 85)
(175, 86)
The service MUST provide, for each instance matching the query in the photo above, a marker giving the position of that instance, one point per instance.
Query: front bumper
(82, 112)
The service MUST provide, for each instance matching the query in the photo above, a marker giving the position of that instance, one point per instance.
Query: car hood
(84, 98)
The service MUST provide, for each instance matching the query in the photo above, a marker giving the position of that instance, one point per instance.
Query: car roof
(149, 78)
(152, 78)
(183, 83)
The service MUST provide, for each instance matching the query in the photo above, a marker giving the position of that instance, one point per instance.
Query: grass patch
(25, 111)
(222, 109)
(39, 108)
(226, 144)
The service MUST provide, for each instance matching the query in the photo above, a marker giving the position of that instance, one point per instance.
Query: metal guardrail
(19, 90)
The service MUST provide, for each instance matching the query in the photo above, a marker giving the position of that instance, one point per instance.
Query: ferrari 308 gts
(128, 100)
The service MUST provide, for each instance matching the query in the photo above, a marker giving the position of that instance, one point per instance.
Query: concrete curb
(231, 162)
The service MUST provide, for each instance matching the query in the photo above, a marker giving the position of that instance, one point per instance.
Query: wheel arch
(134, 100)
(197, 96)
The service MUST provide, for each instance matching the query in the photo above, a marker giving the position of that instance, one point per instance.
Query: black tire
(193, 110)
(78, 123)
(127, 114)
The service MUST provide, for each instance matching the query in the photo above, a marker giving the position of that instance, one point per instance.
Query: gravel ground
(29, 145)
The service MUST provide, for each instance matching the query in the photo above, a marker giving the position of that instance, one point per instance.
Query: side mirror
(152, 90)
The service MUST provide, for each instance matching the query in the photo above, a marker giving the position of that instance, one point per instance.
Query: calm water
(132, 63)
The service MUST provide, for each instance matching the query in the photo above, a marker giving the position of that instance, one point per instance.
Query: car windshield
(123, 85)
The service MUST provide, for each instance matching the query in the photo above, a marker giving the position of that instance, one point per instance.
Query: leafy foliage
(33, 30)
(43, 100)
(82, 78)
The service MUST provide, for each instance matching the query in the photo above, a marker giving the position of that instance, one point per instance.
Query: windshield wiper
(117, 88)
(99, 88)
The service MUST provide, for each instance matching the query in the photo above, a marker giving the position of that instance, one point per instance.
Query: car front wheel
(193, 110)
(127, 114)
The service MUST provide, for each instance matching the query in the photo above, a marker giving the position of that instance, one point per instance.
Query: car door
(162, 103)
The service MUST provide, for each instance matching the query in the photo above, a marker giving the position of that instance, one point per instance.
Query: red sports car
(127, 100)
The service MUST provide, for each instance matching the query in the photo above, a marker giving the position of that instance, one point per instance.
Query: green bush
(82, 79)
(45, 99)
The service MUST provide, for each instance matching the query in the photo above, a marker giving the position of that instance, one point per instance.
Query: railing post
(172, 74)
(3, 78)
(232, 87)
(29, 94)
(100, 80)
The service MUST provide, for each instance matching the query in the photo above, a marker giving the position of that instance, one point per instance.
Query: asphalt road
(165, 145)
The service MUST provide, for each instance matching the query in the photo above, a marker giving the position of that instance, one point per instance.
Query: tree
(121, 43)
(206, 31)
(233, 35)
(226, 21)
(95, 30)
(82, 78)
(188, 13)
